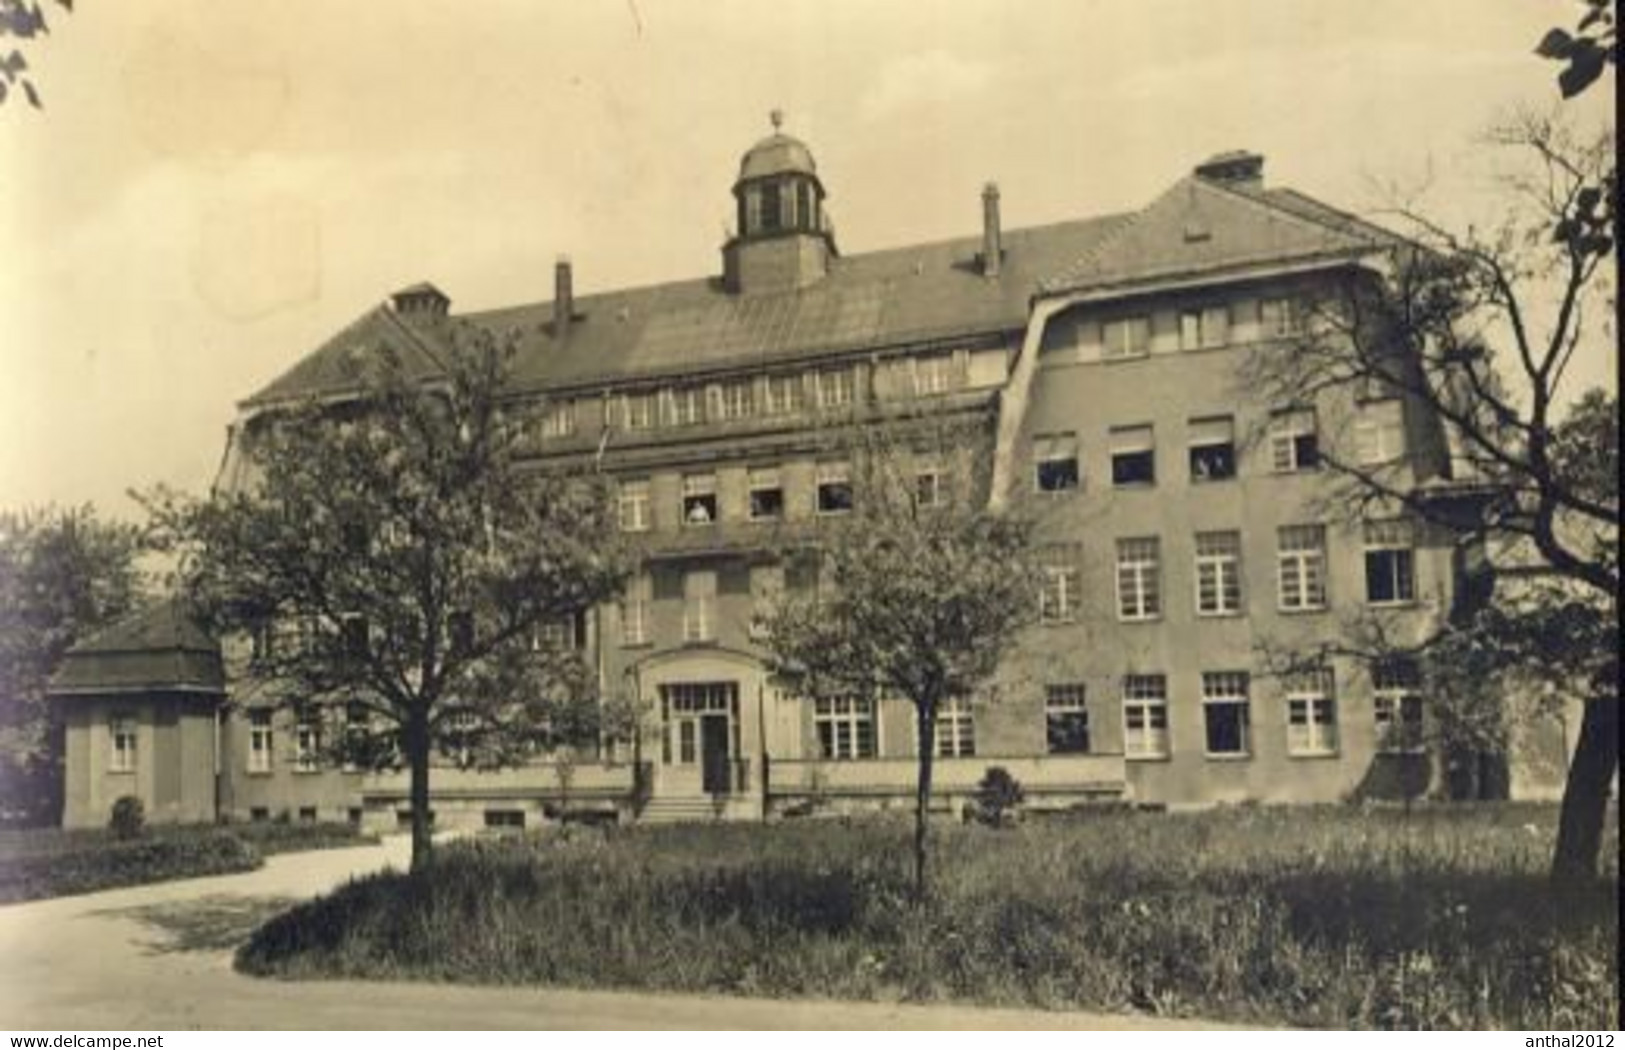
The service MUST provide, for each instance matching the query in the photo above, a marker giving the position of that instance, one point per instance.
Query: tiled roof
(867, 302)
(157, 648)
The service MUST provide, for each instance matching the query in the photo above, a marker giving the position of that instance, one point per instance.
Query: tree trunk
(1585, 795)
(417, 757)
(927, 718)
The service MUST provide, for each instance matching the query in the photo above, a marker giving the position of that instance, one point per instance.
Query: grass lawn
(48, 862)
(1336, 917)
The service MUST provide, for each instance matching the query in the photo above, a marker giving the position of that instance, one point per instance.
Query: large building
(1185, 524)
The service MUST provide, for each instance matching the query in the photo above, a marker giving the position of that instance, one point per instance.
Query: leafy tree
(1586, 52)
(25, 20)
(1479, 330)
(63, 575)
(395, 558)
(921, 589)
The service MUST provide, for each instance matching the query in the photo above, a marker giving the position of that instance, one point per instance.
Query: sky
(215, 186)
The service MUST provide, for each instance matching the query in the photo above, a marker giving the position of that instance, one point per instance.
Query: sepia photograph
(725, 516)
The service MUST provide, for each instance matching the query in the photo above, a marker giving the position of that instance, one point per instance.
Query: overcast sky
(217, 185)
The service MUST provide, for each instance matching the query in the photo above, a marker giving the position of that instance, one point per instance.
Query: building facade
(1185, 522)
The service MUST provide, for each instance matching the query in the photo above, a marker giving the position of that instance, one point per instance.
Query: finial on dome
(776, 116)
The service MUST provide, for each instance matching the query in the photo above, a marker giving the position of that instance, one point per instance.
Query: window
(699, 499)
(1058, 600)
(559, 419)
(557, 634)
(1145, 716)
(638, 411)
(1397, 706)
(772, 214)
(699, 606)
(1224, 712)
(685, 406)
(504, 818)
(1066, 719)
(1218, 573)
(766, 592)
(307, 814)
(1134, 456)
(1390, 562)
(634, 505)
(1205, 328)
(930, 483)
(460, 630)
(1128, 337)
(259, 741)
(1055, 462)
(1213, 448)
(121, 756)
(933, 374)
(836, 387)
(635, 611)
(1379, 433)
(1138, 579)
(845, 728)
(307, 744)
(730, 400)
(1294, 441)
(354, 736)
(766, 494)
(353, 640)
(1301, 561)
(1311, 713)
(956, 729)
(784, 395)
(1278, 318)
(834, 488)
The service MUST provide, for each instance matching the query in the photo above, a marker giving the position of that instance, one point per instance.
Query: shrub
(88, 863)
(129, 818)
(998, 798)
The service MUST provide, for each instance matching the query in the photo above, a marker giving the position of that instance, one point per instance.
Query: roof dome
(778, 154)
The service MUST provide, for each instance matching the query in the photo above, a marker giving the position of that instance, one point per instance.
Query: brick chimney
(563, 297)
(992, 236)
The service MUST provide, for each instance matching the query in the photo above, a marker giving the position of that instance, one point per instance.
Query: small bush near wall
(50, 863)
(128, 818)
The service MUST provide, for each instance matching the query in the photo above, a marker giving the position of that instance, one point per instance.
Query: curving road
(158, 958)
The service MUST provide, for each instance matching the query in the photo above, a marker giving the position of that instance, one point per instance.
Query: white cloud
(929, 78)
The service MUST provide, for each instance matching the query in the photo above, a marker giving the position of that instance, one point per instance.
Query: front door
(714, 754)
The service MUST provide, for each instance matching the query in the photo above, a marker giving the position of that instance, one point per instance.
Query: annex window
(638, 411)
(783, 395)
(121, 755)
(1301, 567)
(956, 729)
(635, 603)
(1126, 337)
(1145, 716)
(1134, 455)
(1218, 573)
(685, 405)
(1311, 713)
(834, 487)
(500, 819)
(1390, 562)
(1379, 433)
(1213, 448)
(1204, 328)
(1055, 462)
(559, 419)
(933, 374)
(837, 387)
(1066, 719)
(1139, 578)
(1224, 712)
(355, 730)
(307, 746)
(1294, 441)
(699, 499)
(730, 400)
(1058, 598)
(633, 505)
(930, 482)
(766, 593)
(699, 606)
(1397, 706)
(845, 727)
(259, 741)
(766, 493)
